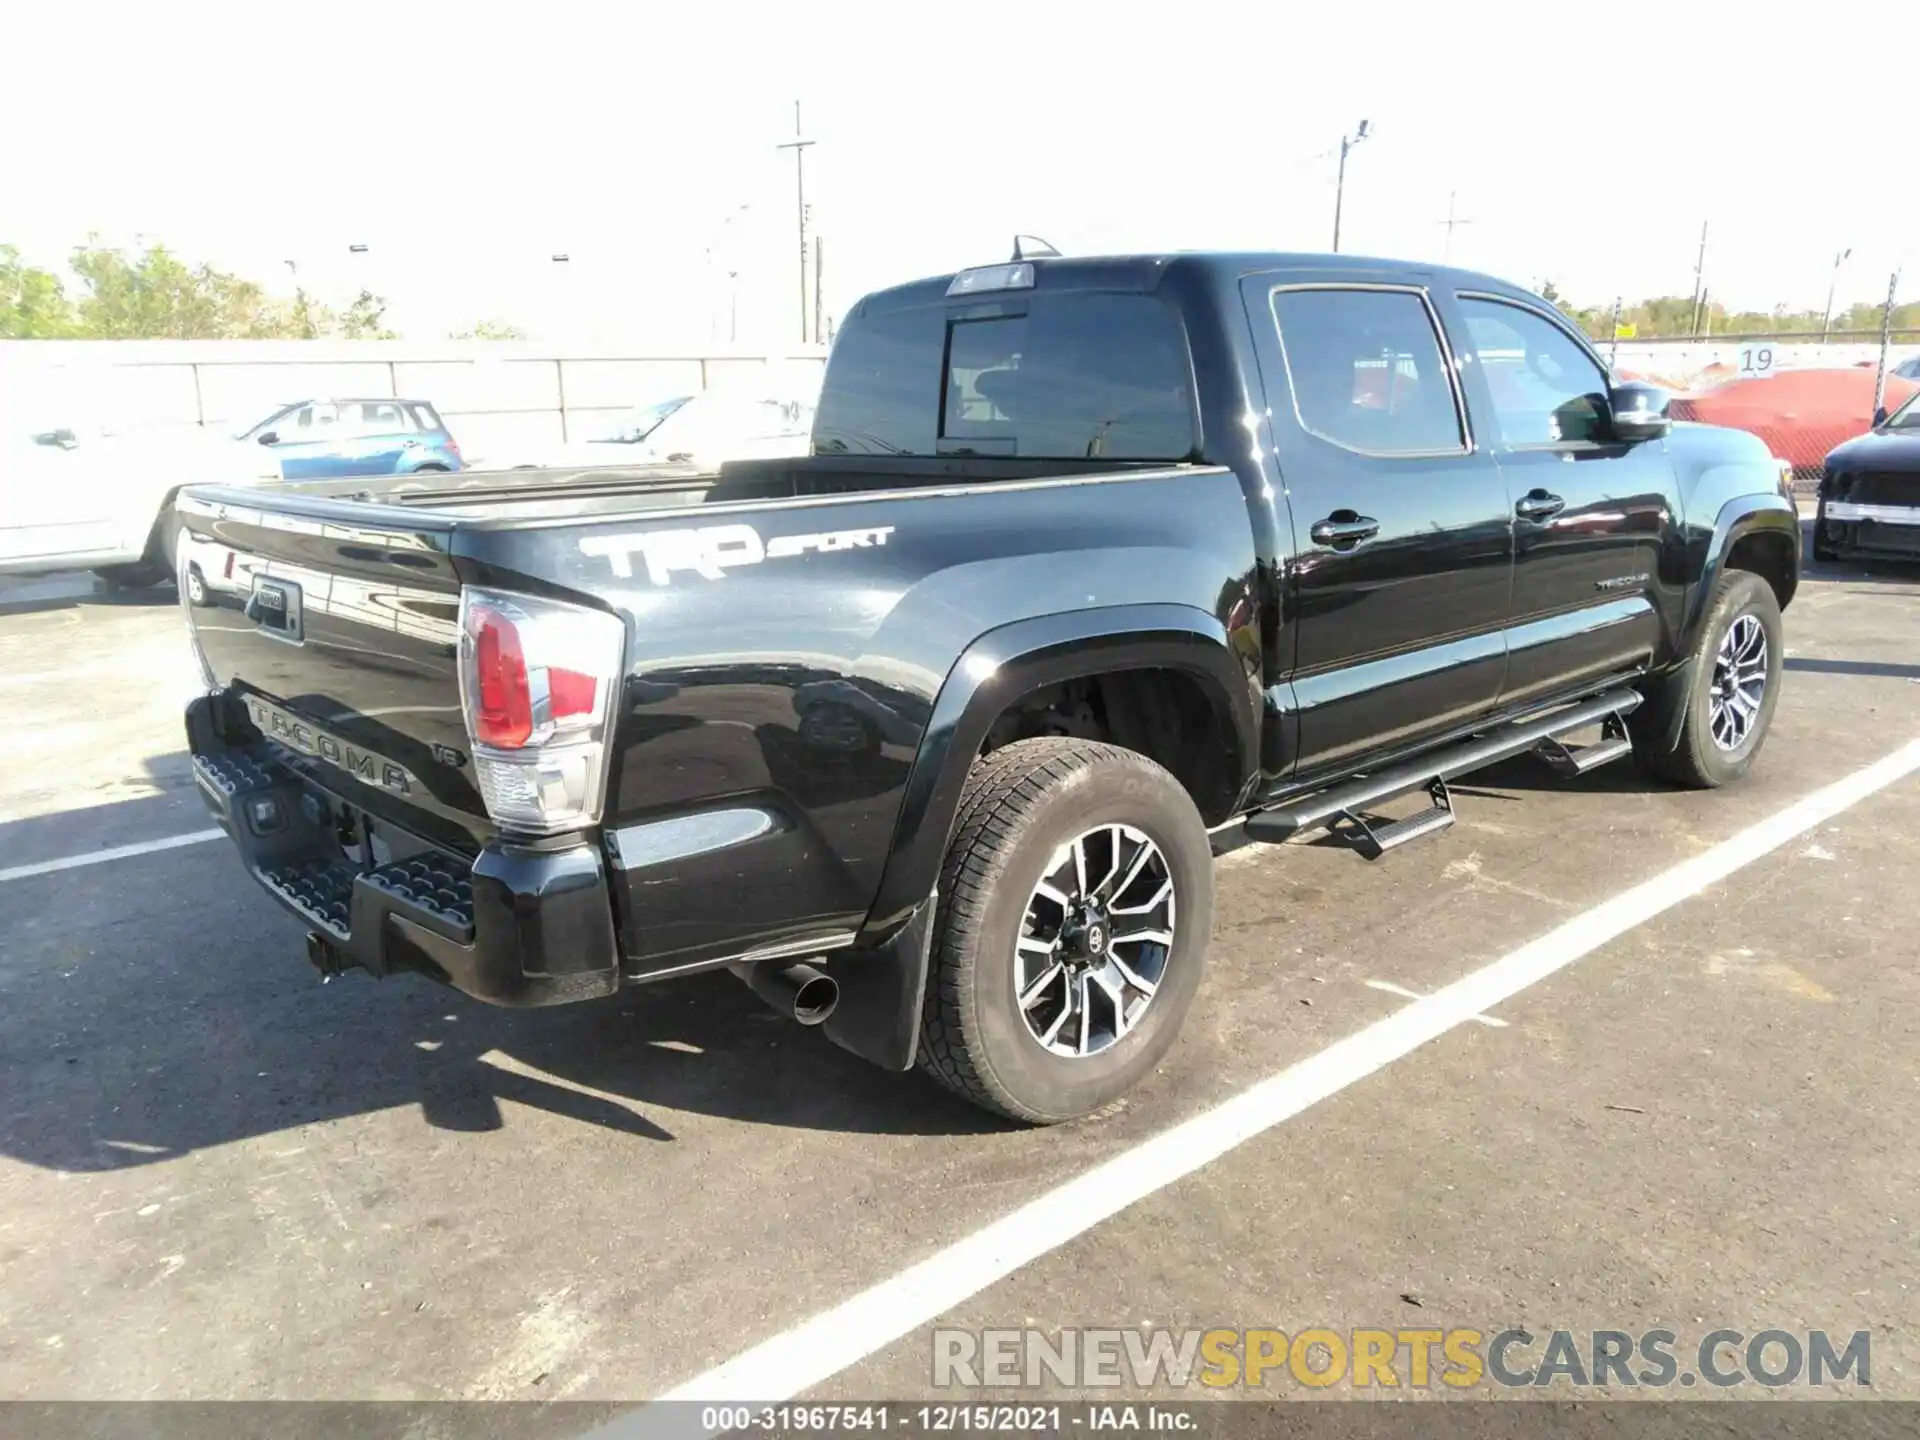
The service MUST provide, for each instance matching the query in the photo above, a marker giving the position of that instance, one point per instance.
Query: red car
(1801, 414)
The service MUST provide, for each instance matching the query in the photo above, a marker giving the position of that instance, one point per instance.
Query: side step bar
(1571, 760)
(1432, 771)
(1373, 841)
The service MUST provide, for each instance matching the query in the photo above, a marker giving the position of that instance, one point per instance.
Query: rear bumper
(513, 926)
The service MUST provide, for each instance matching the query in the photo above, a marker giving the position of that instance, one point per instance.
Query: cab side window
(1366, 370)
(1546, 390)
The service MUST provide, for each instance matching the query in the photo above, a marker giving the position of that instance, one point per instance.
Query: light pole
(726, 248)
(1347, 142)
(1826, 322)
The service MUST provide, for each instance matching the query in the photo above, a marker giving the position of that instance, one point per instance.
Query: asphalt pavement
(220, 1179)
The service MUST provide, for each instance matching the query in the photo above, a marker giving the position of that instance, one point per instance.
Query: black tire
(141, 575)
(1698, 761)
(1823, 550)
(1020, 805)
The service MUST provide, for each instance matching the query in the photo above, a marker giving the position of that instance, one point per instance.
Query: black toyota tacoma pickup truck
(923, 734)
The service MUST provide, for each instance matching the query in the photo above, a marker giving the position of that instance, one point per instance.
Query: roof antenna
(1031, 247)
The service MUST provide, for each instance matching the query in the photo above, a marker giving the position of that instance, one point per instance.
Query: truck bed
(605, 492)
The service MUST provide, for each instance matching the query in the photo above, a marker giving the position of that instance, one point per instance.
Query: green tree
(157, 295)
(365, 318)
(33, 302)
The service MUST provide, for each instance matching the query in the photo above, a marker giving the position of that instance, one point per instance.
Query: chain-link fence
(1802, 392)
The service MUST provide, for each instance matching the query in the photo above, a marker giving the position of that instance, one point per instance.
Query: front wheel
(1726, 691)
(1823, 548)
(1075, 908)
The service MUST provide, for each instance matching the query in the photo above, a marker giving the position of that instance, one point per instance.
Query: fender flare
(1014, 660)
(1740, 517)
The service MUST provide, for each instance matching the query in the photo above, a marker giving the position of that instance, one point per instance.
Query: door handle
(1344, 528)
(1538, 506)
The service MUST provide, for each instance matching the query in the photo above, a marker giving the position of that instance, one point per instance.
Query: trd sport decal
(714, 550)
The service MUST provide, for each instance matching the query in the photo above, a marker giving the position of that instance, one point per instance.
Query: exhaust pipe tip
(815, 998)
(801, 992)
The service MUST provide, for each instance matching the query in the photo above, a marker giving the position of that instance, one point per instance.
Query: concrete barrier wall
(490, 393)
(1690, 364)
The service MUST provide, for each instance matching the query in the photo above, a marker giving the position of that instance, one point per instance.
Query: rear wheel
(150, 569)
(1075, 906)
(1726, 692)
(140, 575)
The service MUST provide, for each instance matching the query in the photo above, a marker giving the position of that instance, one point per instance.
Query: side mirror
(1639, 411)
(1879, 416)
(65, 439)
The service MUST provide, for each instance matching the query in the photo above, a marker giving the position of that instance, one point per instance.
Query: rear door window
(1366, 370)
(378, 417)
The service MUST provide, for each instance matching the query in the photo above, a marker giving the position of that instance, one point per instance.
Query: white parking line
(819, 1348)
(1405, 994)
(117, 852)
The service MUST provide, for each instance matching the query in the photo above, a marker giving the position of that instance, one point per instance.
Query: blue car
(321, 439)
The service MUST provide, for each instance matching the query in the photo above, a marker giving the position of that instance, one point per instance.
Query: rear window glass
(424, 418)
(1080, 376)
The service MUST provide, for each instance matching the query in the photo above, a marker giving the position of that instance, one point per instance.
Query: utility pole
(1340, 186)
(1699, 269)
(799, 148)
(819, 303)
(1833, 280)
(1886, 336)
(1450, 222)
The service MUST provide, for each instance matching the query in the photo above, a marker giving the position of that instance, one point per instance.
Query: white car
(208, 569)
(704, 430)
(88, 499)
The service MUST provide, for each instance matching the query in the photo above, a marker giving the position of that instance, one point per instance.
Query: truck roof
(1145, 272)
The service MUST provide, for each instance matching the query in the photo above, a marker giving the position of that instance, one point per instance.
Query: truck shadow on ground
(158, 1005)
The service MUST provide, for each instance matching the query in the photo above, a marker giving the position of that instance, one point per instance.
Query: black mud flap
(881, 990)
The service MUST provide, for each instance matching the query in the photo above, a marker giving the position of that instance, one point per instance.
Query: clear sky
(1585, 144)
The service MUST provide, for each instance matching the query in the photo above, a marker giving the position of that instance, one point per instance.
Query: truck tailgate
(343, 640)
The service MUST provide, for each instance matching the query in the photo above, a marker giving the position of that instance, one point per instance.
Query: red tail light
(504, 713)
(537, 680)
